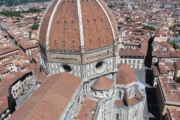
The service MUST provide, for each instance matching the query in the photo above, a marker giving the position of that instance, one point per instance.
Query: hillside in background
(17, 2)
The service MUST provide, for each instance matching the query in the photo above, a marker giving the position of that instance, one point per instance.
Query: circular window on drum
(66, 68)
(100, 67)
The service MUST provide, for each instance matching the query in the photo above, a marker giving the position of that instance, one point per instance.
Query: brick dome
(70, 25)
(125, 75)
(102, 83)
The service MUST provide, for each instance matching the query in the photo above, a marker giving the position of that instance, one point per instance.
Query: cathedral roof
(87, 110)
(52, 97)
(102, 83)
(69, 25)
(125, 75)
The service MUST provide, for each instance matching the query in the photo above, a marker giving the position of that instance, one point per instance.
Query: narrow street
(151, 97)
(150, 91)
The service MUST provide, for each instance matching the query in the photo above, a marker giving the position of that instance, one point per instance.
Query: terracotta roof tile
(65, 31)
(169, 66)
(155, 70)
(170, 91)
(8, 50)
(45, 23)
(159, 33)
(87, 110)
(131, 52)
(162, 69)
(174, 114)
(119, 102)
(125, 75)
(132, 101)
(27, 45)
(177, 64)
(52, 97)
(102, 83)
(4, 104)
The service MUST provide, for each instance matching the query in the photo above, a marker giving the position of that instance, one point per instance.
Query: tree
(34, 27)
(30, 32)
(172, 43)
(9, 13)
(0, 79)
(32, 10)
(122, 4)
(110, 6)
(149, 27)
(13, 2)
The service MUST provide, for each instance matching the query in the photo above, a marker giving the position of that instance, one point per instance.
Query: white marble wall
(86, 72)
(134, 112)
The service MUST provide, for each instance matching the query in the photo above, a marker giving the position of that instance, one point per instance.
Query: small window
(117, 116)
(119, 95)
(130, 92)
(136, 113)
(101, 93)
(79, 99)
(108, 93)
(99, 65)
(67, 68)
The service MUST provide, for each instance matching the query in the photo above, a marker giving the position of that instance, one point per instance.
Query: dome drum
(102, 87)
(79, 58)
(103, 93)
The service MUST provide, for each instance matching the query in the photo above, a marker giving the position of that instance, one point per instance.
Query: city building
(160, 36)
(164, 51)
(167, 94)
(177, 71)
(163, 69)
(133, 58)
(172, 114)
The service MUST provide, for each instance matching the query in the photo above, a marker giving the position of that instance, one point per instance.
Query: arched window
(117, 116)
(136, 113)
(108, 93)
(130, 92)
(101, 94)
(119, 94)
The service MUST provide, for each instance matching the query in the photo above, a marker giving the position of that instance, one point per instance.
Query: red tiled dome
(102, 83)
(70, 24)
(125, 75)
